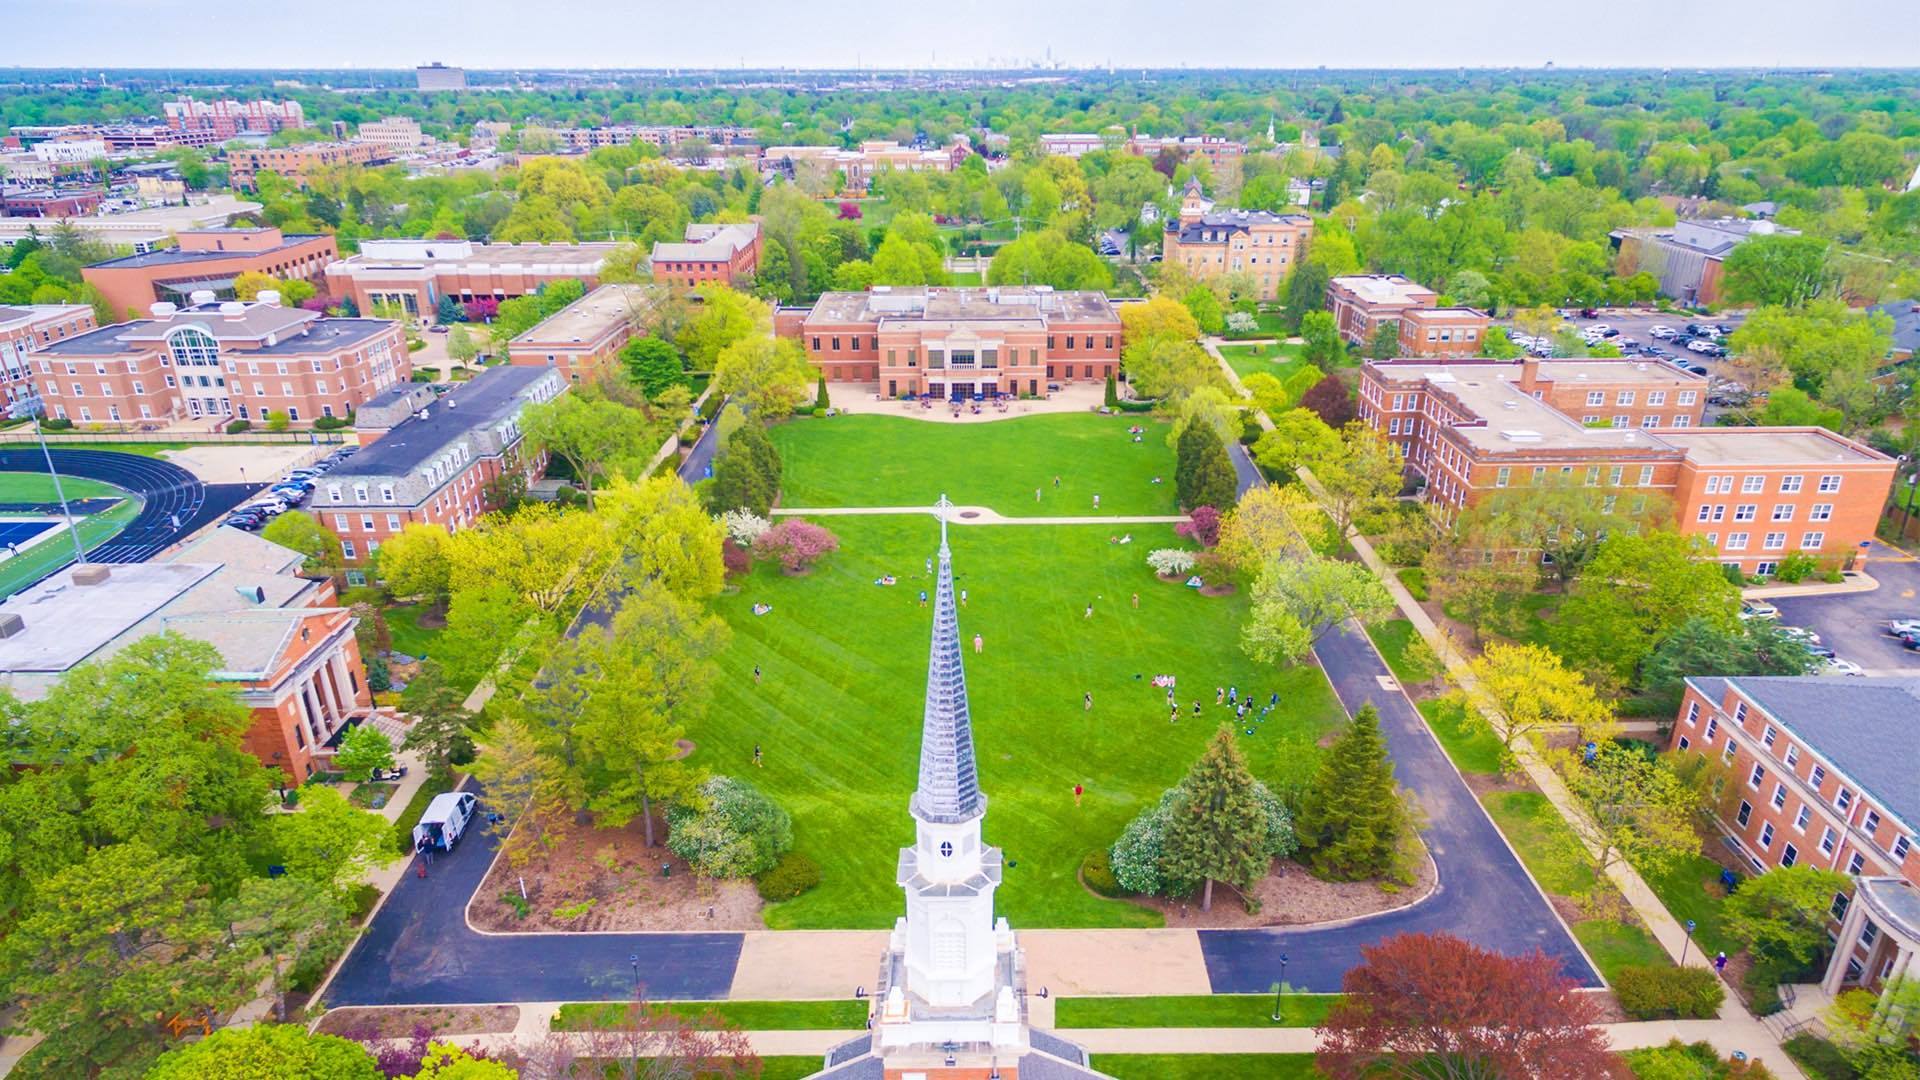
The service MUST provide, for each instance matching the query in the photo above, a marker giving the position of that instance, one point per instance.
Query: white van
(446, 818)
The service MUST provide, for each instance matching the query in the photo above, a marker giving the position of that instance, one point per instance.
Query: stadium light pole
(29, 408)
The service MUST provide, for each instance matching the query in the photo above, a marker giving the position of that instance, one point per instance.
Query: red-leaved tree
(1330, 400)
(1434, 1007)
(849, 211)
(1202, 526)
(797, 544)
(635, 1041)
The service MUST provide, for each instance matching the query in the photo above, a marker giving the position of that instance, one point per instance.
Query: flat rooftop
(177, 257)
(586, 319)
(937, 304)
(404, 254)
(488, 398)
(1516, 423)
(324, 335)
(1771, 446)
(67, 623)
(1384, 288)
(1570, 372)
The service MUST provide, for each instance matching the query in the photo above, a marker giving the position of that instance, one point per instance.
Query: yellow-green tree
(772, 375)
(1525, 689)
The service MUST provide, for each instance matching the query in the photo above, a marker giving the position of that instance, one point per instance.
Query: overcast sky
(963, 33)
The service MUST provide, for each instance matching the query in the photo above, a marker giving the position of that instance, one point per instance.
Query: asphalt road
(176, 502)
(1853, 625)
(419, 950)
(1484, 895)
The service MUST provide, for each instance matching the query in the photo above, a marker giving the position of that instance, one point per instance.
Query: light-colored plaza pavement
(1071, 398)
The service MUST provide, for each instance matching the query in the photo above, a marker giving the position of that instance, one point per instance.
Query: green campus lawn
(1279, 361)
(37, 487)
(1192, 1011)
(54, 552)
(881, 460)
(789, 1066)
(1207, 1066)
(1684, 891)
(844, 662)
(403, 626)
(848, 1015)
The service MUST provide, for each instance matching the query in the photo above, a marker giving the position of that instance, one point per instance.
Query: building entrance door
(935, 390)
(961, 391)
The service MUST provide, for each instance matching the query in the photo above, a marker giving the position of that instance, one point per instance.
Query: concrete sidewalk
(980, 515)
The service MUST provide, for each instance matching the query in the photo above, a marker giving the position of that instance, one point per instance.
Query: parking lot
(1853, 625)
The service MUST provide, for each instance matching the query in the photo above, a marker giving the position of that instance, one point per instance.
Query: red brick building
(586, 335)
(221, 361)
(1822, 769)
(948, 342)
(729, 254)
(47, 203)
(284, 643)
(298, 162)
(1756, 494)
(1448, 331)
(207, 260)
(1362, 303)
(433, 460)
(25, 330)
(412, 275)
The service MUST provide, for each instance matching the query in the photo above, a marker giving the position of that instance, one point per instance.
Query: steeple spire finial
(949, 787)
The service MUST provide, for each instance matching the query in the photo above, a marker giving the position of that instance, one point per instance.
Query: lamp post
(1280, 988)
(1685, 944)
(634, 959)
(30, 407)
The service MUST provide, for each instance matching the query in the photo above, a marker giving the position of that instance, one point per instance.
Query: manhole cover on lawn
(969, 513)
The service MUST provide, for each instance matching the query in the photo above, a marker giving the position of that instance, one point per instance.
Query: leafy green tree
(1559, 521)
(439, 731)
(1524, 690)
(1217, 830)
(447, 1061)
(1351, 821)
(1048, 257)
(292, 925)
(1203, 474)
(414, 563)
(1361, 475)
(363, 750)
(652, 365)
(460, 344)
(1782, 915)
(747, 473)
(110, 943)
(1385, 343)
(1789, 406)
(1642, 809)
(1754, 647)
(331, 842)
(1635, 592)
(725, 317)
(593, 435)
(1297, 600)
(1306, 292)
(1776, 269)
(303, 533)
(1298, 437)
(1325, 348)
(267, 1050)
(732, 831)
(771, 375)
(1206, 309)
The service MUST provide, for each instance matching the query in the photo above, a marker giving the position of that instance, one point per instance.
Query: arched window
(192, 346)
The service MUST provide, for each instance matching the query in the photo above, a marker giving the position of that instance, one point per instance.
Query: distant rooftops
(260, 327)
(1384, 289)
(1906, 323)
(375, 254)
(494, 395)
(188, 255)
(606, 308)
(922, 303)
(708, 243)
(1711, 237)
(1230, 220)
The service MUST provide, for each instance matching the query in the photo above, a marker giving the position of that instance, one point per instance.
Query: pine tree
(1218, 831)
(1203, 474)
(1113, 393)
(1351, 819)
(820, 399)
(747, 473)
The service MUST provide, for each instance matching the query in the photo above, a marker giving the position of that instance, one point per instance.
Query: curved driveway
(419, 950)
(1484, 896)
(176, 502)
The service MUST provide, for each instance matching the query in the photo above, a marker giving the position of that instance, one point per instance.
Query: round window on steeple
(946, 849)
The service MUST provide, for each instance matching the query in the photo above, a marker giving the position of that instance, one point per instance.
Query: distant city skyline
(1128, 34)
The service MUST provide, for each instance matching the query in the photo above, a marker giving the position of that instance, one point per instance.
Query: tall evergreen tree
(1203, 474)
(748, 472)
(1218, 829)
(1350, 818)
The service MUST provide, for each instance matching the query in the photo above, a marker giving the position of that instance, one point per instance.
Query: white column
(1843, 946)
(341, 684)
(305, 716)
(314, 703)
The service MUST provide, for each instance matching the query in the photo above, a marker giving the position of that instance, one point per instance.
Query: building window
(1713, 728)
(355, 578)
(1746, 511)
(1812, 541)
(1793, 755)
(1779, 796)
(1829, 483)
(1766, 835)
(1789, 485)
(1783, 511)
(1500, 477)
(1855, 864)
(1624, 397)
(1869, 934)
(1900, 846)
(1775, 541)
(1827, 840)
(1789, 855)
(1745, 814)
(1759, 774)
(1872, 822)
(346, 549)
(1838, 909)
(1820, 512)
(1737, 541)
(1801, 818)
(1596, 397)
(1843, 798)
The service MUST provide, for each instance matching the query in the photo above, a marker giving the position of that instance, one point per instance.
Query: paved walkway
(980, 515)
(1070, 398)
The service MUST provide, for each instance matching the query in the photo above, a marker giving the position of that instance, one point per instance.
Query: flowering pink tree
(735, 558)
(1202, 526)
(797, 544)
(849, 211)
(482, 309)
(317, 302)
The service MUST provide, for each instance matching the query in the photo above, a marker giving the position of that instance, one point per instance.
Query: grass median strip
(848, 1015)
(1206, 1066)
(1192, 1011)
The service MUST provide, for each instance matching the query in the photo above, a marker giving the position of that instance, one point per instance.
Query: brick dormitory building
(728, 254)
(1822, 775)
(1210, 242)
(27, 329)
(207, 260)
(433, 461)
(412, 275)
(958, 342)
(586, 335)
(284, 642)
(1755, 494)
(228, 360)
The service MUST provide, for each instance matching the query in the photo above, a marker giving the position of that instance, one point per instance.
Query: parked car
(1700, 345)
(1758, 609)
(1660, 333)
(1697, 369)
(1903, 627)
(246, 519)
(445, 821)
(1821, 651)
(1837, 666)
(1724, 329)
(271, 508)
(441, 328)
(1798, 633)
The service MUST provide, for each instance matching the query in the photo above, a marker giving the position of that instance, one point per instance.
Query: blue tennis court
(19, 532)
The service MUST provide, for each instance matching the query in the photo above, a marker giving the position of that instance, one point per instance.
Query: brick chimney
(1529, 374)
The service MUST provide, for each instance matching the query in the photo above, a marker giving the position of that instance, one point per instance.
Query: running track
(176, 502)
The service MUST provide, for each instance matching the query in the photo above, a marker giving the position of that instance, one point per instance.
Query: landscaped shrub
(1096, 871)
(1796, 567)
(1761, 984)
(791, 876)
(329, 423)
(1138, 858)
(1202, 526)
(1170, 562)
(1690, 1061)
(736, 559)
(56, 423)
(1819, 1058)
(237, 426)
(739, 833)
(1649, 992)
